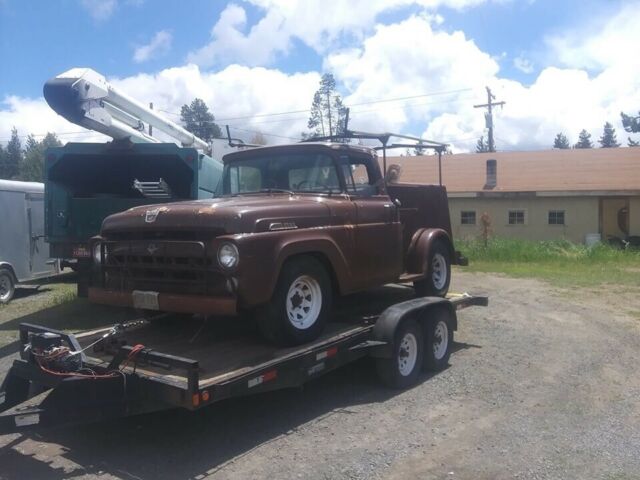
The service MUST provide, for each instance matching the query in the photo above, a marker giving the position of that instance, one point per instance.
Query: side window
(468, 217)
(357, 177)
(244, 179)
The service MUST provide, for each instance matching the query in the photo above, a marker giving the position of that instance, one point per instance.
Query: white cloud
(523, 64)
(159, 45)
(319, 24)
(99, 9)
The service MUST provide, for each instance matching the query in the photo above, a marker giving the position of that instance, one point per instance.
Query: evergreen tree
(32, 165)
(631, 124)
(12, 157)
(632, 143)
(328, 113)
(608, 138)
(584, 140)
(561, 142)
(198, 120)
(482, 146)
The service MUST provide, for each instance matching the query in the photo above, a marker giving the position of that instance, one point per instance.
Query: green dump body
(86, 182)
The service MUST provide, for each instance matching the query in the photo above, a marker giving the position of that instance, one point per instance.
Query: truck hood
(228, 215)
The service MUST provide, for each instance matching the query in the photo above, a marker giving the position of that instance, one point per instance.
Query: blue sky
(512, 44)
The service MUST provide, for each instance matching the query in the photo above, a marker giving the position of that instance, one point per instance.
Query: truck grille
(165, 266)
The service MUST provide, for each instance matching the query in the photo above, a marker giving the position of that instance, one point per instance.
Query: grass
(560, 262)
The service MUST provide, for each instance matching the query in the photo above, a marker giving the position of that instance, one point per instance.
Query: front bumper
(169, 302)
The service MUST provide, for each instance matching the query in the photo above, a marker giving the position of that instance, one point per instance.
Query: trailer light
(195, 399)
(228, 255)
(205, 395)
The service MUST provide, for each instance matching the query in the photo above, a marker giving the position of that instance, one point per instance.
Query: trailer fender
(421, 243)
(384, 331)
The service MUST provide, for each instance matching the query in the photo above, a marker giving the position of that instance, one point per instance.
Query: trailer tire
(401, 370)
(438, 340)
(7, 285)
(438, 270)
(300, 305)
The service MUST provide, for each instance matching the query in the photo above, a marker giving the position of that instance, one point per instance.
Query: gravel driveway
(542, 385)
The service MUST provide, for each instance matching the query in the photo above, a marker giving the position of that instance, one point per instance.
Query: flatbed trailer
(145, 366)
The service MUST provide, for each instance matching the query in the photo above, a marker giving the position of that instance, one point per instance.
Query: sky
(410, 66)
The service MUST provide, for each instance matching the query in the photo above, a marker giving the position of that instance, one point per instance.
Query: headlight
(97, 254)
(228, 255)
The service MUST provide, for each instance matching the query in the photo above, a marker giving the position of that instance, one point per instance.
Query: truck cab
(291, 227)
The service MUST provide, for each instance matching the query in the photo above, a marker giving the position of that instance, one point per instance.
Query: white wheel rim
(407, 354)
(440, 340)
(439, 271)
(5, 287)
(304, 302)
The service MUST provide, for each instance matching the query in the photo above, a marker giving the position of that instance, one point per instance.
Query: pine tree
(198, 120)
(32, 165)
(328, 113)
(608, 138)
(631, 124)
(12, 157)
(561, 142)
(632, 143)
(584, 140)
(482, 146)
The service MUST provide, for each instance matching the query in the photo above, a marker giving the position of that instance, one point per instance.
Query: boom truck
(86, 182)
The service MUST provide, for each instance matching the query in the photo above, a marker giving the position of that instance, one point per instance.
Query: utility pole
(489, 116)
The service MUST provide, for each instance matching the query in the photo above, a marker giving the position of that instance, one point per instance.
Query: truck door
(378, 229)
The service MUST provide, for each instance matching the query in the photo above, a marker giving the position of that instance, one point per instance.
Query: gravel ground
(543, 385)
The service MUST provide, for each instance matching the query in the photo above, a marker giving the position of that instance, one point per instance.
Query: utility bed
(168, 362)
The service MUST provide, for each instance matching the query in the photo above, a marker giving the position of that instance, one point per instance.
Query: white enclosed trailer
(23, 254)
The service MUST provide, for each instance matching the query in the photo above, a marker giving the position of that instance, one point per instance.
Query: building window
(516, 217)
(492, 174)
(468, 217)
(556, 217)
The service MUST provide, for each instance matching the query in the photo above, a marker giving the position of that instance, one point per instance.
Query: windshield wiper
(277, 190)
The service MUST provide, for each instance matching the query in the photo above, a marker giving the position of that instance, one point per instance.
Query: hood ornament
(151, 215)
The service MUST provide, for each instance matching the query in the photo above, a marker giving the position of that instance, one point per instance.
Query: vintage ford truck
(291, 227)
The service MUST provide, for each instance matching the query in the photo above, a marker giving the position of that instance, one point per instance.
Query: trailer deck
(167, 363)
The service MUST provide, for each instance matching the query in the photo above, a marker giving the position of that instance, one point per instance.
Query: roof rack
(384, 138)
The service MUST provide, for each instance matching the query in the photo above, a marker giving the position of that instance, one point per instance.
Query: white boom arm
(86, 98)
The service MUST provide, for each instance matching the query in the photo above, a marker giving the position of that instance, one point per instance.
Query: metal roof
(16, 186)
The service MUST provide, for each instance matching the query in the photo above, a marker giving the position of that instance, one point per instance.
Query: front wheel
(300, 304)
(436, 282)
(7, 285)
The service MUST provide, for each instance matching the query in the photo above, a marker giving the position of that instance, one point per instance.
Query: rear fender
(418, 309)
(421, 242)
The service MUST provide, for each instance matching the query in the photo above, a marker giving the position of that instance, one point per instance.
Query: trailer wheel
(300, 304)
(436, 283)
(402, 369)
(7, 285)
(438, 340)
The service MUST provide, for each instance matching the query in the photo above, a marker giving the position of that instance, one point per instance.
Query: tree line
(25, 163)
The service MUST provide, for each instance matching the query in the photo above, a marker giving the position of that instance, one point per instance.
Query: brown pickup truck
(293, 226)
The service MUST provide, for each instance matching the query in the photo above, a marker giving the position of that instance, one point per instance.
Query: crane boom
(86, 98)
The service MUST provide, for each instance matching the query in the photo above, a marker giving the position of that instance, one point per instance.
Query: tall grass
(558, 260)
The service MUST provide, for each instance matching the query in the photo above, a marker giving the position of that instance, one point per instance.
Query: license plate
(81, 251)
(145, 300)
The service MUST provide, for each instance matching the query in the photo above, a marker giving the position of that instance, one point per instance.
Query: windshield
(307, 172)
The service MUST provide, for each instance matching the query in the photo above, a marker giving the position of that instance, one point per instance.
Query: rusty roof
(597, 169)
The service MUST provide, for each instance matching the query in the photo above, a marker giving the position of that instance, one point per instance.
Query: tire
(403, 368)
(7, 285)
(300, 305)
(436, 283)
(438, 340)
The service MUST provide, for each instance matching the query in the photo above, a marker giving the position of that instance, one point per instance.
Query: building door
(614, 217)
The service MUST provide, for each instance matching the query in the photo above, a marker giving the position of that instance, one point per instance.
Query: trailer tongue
(64, 379)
